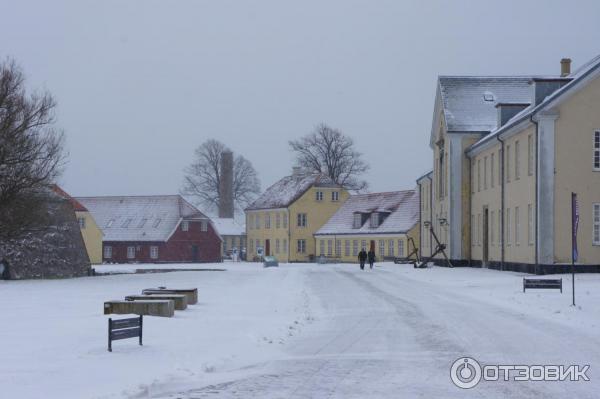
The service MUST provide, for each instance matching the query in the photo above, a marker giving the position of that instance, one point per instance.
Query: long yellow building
(283, 220)
(386, 222)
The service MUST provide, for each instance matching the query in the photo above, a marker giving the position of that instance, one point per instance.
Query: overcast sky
(141, 83)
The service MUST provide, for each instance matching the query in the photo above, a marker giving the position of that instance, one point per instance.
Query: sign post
(574, 226)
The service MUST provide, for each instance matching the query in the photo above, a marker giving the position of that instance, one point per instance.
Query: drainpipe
(535, 242)
(471, 188)
(502, 183)
(430, 211)
(420, 221)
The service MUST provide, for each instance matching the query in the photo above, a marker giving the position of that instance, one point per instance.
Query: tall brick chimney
(226, 186)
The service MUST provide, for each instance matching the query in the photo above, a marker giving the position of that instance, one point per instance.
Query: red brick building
(153, 229)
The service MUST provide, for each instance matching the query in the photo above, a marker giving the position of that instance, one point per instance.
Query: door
(194, 253)
(372, 245)
(486, 234)
(267, 247)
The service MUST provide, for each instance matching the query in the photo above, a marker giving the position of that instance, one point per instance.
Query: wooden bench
(179, 299)
(191, 293)
(162, 308)
(542, 283)
(124, 328)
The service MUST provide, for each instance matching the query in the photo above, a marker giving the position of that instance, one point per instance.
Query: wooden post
(141, 329)
(109, 335)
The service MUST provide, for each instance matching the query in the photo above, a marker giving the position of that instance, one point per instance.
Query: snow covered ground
(298, 331)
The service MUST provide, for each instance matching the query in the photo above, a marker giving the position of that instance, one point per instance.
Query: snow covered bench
(179, 299)
(542, 283)
(190, 293)
(162, 308)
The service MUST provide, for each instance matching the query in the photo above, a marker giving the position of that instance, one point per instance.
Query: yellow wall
(272, 233)
(574, 129)
(92, 237)
(425, 213)
(349, 252)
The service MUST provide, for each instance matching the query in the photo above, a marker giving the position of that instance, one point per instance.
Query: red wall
(177, 249)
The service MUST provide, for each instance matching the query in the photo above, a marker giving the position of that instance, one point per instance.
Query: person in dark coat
(371, 256)
(362, 258)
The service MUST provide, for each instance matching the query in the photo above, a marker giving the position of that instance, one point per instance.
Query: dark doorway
(194, 252)
(267, 247)
(372, 245)
(486, 240)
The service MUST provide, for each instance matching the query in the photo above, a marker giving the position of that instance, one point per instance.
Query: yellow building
(283, 220)
(91, 233)
(385, 222)
(508, 152)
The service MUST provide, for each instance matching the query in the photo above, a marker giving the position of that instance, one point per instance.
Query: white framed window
(338, 247)
(507, 166)
(597, 150)
(204, 225)
(485, 173)
(321, 247)
(301, 219)
(107, 252)
(478, 175)
(81, 221)
(357, 223)
(347, 248)
(301, 244)
(530, 224)
(185, 225)
(277, 220)
(517, 226)
(492, 160)
(363, 245)
(374, 219)
(285, 246)
(499, 227)
(492, 230)
(257, 221)
(329, 247)
(517, 161)
(267, 220)
(401, 248)
(319, 195)
(277, 248)
(530, 155)
(508, 224)
(382, 248)
(479, 229)
(335, 196)
(130, 252)
(284, 219)
(154, 252)
(473, 180)
(473, 231)
(390, 247)
(596, 219)
(354, 247)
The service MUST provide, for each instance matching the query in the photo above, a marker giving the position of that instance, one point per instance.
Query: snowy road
(391, 333)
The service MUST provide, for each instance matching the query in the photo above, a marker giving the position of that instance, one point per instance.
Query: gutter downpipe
(430, 211)
(502, 248)
(536, 193)
(471, 171)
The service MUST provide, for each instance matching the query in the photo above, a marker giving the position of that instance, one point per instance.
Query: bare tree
(31, 153)
(329, 151)
(203, 177)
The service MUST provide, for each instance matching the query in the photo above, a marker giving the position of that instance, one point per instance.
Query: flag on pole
(575, 222)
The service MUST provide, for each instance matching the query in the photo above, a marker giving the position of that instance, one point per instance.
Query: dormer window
(156, 223)
(357, 223)
(375, 219)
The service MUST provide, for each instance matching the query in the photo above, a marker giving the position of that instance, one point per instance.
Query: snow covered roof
(469, 102)
(402, 206)
(289, 189)
(228, 227)
(139, 218)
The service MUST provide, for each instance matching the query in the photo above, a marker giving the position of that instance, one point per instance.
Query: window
(517, 226)
(492, 170)
(499, 167)
(156, 223)
(257, 221)
(301, 220)
(277, 220)
(401, 248)
(492, 221)
(204, 225)
(335, 196)
(224, 244)
(499, 227)
(355, 248)
(250, 221)
(319, 195)
(597, 150)
(285, 246)
(185, 225)
(485, 173)
(126, 223)
(338, 247)
(391, 248)
(81, 222)
(267, 220)
(277, 246)
(508, 236)
(478, 175)
(517, 161)
(107, 252)
(530, 155)
(285, 220)
(441, 171)
(347, 248)
(154, 252)
(130, 252)
(479, 229)
(329, 247)
(357, 224)
(321, 247)
(596, 218)
(301, 246)
(374, 219)
(530, 224)
(363, 244)
(110, 223)
(142, 223)
(382, 248)
(507, 166)
(257, 244)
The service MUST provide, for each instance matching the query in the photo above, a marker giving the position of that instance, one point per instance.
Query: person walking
(371, 256)
(362, 257)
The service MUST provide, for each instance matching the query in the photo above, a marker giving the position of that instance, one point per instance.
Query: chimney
(226, 186)
(565, 67)
(296, 170)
